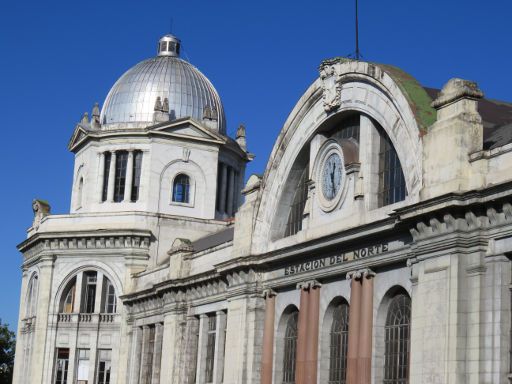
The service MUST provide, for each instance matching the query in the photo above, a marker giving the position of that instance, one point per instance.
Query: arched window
(79, 195)
(294, 223)
(391, 177)
(338, 345)
(91, 283)
(181, 189)
(68, 298)
(397, 339)
(30, 309)
(290, 349)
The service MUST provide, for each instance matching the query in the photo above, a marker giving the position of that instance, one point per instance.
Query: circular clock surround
(330, 175)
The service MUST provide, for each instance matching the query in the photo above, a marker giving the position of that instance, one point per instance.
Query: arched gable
(385, 94)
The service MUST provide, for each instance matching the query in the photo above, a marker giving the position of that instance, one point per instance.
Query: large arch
(361, 87)
(69, 274)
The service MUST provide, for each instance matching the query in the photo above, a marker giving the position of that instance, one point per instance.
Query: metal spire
(357, 54)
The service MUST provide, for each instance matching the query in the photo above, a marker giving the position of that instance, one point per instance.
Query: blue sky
(58, 58)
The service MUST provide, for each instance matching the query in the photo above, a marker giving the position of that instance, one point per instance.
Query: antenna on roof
(357, 54)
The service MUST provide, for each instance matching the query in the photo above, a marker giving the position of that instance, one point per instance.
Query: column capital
(309, 284)
(268, 293)
(368, 273)
(359, 274)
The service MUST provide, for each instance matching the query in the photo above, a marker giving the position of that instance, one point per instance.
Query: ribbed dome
(131, 101)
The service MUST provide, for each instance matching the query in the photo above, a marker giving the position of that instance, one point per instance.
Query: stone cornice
(83, 240)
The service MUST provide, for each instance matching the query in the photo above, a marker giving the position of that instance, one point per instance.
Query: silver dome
(131, 101)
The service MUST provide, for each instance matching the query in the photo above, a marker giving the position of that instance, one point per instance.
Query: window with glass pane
(290, 349)
(348, 128)
(109, 296)
(397, 339)
(79, 196)
(89, 280)
(106, 170)
(32, 297)
(210, 348)
(104, 366)
(120, 176)
(181, 189)
(61, 366)
(391, 177)
(68, 303)
(82, 370)
(338, 345)
(137, 166)
(300, 197)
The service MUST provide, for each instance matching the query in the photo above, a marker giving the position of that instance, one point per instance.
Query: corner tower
(153, 165)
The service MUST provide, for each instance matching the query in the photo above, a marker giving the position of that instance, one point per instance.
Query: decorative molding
(331, 87)
(85, 241)
(463, 220)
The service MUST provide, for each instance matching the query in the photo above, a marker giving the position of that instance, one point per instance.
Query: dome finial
(169, 45)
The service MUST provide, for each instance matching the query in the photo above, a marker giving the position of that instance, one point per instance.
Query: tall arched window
(397, 339)
(181, 189)
(68, 298)
(391, 176)
(91, 282)
(79, 195)
(290, 349)
(338, 345)
(30, 309)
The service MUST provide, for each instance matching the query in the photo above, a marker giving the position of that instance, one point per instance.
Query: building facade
(375, 247)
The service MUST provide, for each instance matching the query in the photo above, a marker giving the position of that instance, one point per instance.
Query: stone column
(136, 357)
(101, 175)
(231, 190)
(312, 333)
(364, 368)
(201, 349)
(78, 293)
(223, 186)
(191, 350)
(111, 177)
(144, 355)
(129, 178)
(268, 337)
(157, 354)
(220, 342)
(300, 366)
(99, 289)
(354, 319)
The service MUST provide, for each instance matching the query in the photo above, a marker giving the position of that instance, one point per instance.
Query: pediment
(79, 135)
(187, 129)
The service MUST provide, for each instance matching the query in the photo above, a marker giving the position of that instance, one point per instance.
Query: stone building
(374, 249)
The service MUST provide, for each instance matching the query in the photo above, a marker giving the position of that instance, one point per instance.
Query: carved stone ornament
(331, 87)
(41, 209)
(186, 155)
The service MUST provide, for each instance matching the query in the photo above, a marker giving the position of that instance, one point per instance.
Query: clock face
(332, 174)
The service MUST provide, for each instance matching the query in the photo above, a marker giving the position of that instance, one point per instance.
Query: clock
(330, 175)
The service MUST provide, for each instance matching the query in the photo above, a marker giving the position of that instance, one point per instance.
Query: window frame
(191, 190)
(290, 341)
(396, 373)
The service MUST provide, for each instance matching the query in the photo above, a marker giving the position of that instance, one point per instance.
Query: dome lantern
(169, 45)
